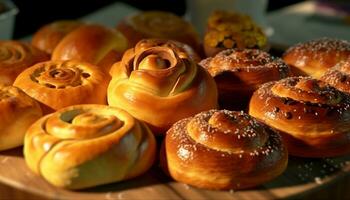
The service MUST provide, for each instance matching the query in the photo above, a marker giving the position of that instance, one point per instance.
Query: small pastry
(158, 24)
(48, 36)
(15, 57)
(315, 57)
(17, 112)
(160, 85)
(221, 149)
(227, 30)
(238, 73)
(312, 116)
(88, 145)
(339, 76)
(58, 84)
(92, 43)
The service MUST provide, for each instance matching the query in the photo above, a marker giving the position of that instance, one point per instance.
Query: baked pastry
(15, 56)
(48, 36)
(158, 24)
(238, 73)
(58, 84)
(339, 76)
(311, 115)
(87, 145)
(17, 112)
(315, 57)
(92, 43)
(227, 30)
(160, 85)
(221, 149)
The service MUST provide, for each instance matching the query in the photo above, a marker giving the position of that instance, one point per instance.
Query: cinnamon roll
(48, 36)
(221, 149)
(315, 57)
(158, 24)
(312, 116)
(160, 85)
(238, 73)
(16, 56)
(87, 145)
(17, 112)
(57, 84)
(92, 43)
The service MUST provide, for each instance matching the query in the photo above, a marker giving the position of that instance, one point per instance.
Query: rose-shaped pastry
(221, 149)
(57, 84)
(238, 73)
(87, 145)
(158, 24)
(312, 116)
(17, 112)
(160, 85)
(92, 43)
(15, 57)
(48, 36)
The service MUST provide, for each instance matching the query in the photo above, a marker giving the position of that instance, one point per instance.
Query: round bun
(227, 30)
(18, 112)
(58, 84)
(339, 76)
(48, 36)
(160, 85)
(92, 43)
(314, 58)
(311, 115)
(88, 145)
(15, 57)
(238, 73)
(221, 149)
(158, 24)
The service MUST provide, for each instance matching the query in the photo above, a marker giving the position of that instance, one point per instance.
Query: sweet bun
(339, 76)
(221, 149)
(88, 145)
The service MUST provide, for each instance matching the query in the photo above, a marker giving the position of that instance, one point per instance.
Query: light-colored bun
(17, 112)
(160, 85)
(15, 57)
(223, 150)
(58, 84)
(312, 116)
(88, 145)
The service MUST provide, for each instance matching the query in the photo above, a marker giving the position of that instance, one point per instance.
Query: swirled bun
(48, 36)
(58, 84)
(238, 73)
(221, 149)
(311, 115)
(315, 57)
(92, 43)
(17, 112)
(160, 85)
(88, 145)
(16, 56)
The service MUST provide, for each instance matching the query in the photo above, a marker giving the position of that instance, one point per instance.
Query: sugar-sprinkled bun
(238, 73)
(221, 149)
(339, 76)
(315, 57)
(312, 116)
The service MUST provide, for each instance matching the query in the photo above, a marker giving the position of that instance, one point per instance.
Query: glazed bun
(339, 76)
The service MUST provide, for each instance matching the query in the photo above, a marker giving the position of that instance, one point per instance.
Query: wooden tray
(302, 175)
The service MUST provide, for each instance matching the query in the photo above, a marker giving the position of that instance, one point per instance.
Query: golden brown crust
(315, 57)
(339, 76)
(94, 44)
(48, 36)
(311, 115)
(87, 145)
(238, 73)
(223, 150)
(17, 112)
(227, 30)
(158, 24)
(15, 57)
(160, 85)
(57, 84)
